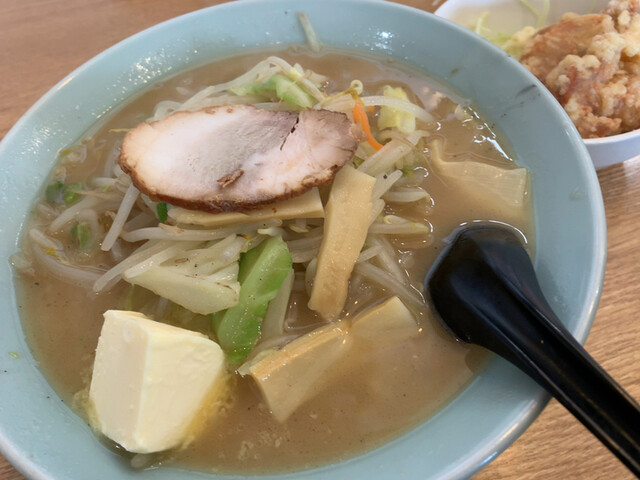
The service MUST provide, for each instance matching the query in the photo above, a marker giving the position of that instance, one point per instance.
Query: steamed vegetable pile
(246, 273)
(514, 43)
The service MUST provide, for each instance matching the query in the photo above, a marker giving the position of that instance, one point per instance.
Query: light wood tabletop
(43, 40)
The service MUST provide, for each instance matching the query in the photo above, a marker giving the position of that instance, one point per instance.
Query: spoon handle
(539, 344)
(506, 312)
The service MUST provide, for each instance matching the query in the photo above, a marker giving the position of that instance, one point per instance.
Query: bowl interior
(45, 440)
(506, 16)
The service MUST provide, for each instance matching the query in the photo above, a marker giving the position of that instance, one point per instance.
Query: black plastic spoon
(484, 288)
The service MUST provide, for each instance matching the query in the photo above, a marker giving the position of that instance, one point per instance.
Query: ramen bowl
(44, 439)
(510, 17)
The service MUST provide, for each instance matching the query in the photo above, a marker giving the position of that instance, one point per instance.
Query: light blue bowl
(45, 440)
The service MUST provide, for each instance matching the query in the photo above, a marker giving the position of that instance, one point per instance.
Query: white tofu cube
(150, 381)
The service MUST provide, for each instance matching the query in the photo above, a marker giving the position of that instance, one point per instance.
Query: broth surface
(377, 393)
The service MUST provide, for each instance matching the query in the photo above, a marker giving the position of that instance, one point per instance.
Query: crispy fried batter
(591, 63)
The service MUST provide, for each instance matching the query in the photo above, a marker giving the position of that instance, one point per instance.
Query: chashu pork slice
(236, 158)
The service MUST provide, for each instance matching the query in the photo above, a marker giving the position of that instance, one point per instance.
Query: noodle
(312, 37)
(387, 259)
(113, 275)
(387, 281)
(43, 240)
(70, 213)
(369, 253)
(63, 270)
(156, 259)
(169, 232)
(407, 195)
(385, 158)
(384, 181)
(121, 217)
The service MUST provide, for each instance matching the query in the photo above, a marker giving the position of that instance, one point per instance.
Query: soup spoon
(485, 290)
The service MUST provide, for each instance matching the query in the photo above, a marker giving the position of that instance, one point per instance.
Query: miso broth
(378, 392)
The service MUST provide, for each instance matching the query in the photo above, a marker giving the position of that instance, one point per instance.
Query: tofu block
(150, 381)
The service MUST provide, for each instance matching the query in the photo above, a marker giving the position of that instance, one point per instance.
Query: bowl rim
(468, 465)
(619, 137)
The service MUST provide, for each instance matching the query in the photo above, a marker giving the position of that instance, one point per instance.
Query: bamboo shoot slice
(345, 230)
(389, 322)
(307, 205)
(290, 376)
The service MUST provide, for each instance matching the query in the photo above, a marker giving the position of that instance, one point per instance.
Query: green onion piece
(263, 269)
(283, 87)
(53, 193)
(81, 235)
(291, 92)
(70, 195)
(162, 211)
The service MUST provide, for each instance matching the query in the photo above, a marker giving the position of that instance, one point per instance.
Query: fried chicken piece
(591, 63)
(617, 8)
(572, 35)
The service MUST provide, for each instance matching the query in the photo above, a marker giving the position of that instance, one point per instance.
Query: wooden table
(43, 40)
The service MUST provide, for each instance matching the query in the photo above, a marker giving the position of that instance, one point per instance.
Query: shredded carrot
(360, 116)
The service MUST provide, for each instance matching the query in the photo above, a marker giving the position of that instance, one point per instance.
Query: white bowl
(509, 16)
